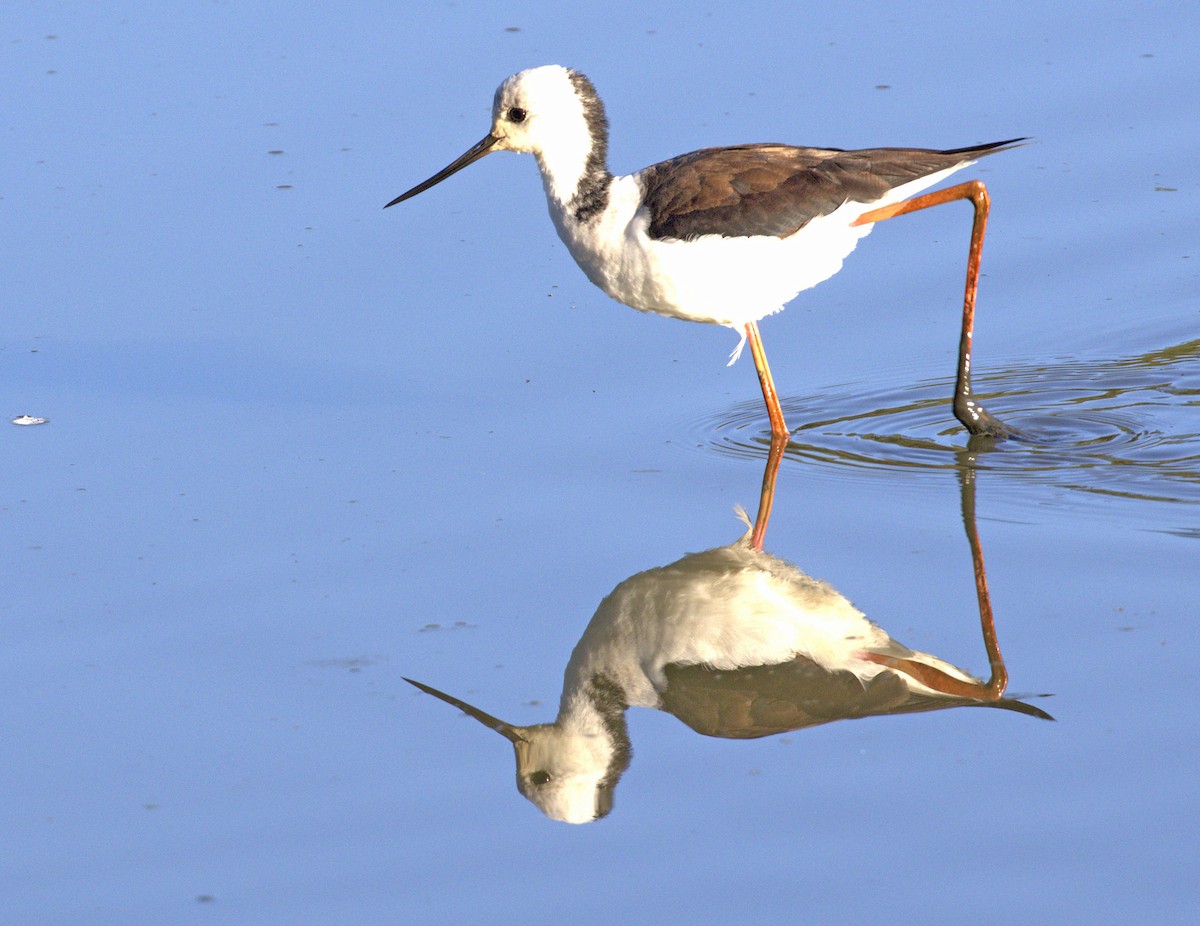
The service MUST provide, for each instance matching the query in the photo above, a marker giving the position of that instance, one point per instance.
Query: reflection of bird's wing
(764, 700)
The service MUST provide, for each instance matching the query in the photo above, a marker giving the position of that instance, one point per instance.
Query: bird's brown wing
(775, 190)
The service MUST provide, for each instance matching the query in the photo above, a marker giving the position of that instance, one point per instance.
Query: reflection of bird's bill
(506, 730)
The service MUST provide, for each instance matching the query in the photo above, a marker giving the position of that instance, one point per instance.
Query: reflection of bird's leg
(778, 427)
(999, 677)
(993, 688)
(767, 496)
(973, 415)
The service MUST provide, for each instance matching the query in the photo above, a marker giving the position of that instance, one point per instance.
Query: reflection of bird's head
(566, 773)
(569, 774)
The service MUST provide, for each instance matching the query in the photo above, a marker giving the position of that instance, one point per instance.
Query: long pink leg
(779, 428)
(974, 416)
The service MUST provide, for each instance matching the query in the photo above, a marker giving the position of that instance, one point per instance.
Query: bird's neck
(575, 173)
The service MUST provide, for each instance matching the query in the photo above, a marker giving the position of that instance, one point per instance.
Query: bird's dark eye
(539, 778)
(516, 114)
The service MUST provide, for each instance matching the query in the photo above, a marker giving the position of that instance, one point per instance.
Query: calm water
(300, 449)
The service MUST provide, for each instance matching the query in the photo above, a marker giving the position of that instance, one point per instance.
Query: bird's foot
(980, 422)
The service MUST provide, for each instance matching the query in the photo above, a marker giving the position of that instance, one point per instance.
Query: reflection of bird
(735, 642)
(721, 235)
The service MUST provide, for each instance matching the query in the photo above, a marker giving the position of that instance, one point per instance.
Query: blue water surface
(300, 448)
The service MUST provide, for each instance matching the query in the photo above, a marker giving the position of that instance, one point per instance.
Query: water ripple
(1128, 427)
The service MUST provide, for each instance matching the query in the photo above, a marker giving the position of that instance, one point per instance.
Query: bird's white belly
(732, 281)
(723, 281)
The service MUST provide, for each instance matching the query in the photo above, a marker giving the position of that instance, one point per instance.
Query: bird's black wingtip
(978, 151)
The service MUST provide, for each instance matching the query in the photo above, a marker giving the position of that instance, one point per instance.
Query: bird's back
(775, 190)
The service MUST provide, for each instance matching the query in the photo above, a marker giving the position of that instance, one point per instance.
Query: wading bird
(721, 235)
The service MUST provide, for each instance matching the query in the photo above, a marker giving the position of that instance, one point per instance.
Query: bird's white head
(542, 108)
(554, 114)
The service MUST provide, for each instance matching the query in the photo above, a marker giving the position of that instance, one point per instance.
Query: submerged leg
(974, 416)
(779, 428)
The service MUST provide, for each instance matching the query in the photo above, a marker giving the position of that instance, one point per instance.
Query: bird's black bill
(507, 730)
(469, 157)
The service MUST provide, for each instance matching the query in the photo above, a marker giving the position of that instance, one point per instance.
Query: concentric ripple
(1127, 427)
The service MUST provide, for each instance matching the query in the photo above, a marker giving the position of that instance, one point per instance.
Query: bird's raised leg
(779, 428)
(974, 417)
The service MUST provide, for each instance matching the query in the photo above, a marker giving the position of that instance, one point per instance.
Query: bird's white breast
(719, 280)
